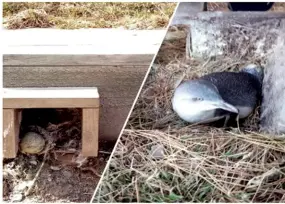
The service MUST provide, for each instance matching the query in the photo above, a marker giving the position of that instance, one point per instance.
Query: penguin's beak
(222, 105)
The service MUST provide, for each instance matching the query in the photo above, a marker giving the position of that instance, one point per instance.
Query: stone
(157, 151)
(32, 143)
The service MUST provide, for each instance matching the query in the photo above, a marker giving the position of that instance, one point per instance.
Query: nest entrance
(63, 124)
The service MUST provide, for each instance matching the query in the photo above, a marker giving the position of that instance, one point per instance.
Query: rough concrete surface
(217, 33)
(273, 108)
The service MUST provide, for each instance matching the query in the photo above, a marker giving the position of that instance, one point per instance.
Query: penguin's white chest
(244, 111)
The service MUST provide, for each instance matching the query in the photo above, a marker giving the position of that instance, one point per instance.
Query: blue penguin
(199, 101)
(218, 95)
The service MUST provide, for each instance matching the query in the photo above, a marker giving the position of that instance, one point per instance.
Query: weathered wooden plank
(110, 78)
(118, 86)
(82, 41)
(77, 60)
(51, 92)
(11, 127)
(60, 97)
(90, 127)
(50, 102)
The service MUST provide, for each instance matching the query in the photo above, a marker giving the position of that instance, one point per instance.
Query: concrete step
(218, 33)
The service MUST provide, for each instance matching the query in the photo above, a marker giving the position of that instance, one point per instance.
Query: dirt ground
(65, 176)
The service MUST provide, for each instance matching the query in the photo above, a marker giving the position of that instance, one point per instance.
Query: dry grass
(200, 163)
(87, 15)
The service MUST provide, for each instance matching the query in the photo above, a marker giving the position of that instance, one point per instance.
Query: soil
(65, 176)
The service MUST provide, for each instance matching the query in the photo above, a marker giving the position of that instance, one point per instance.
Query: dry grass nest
(200, 163)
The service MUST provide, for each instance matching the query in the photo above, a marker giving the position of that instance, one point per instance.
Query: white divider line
(130, 112)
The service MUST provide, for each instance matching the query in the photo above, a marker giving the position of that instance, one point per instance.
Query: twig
(105, 152)
(92, 170)
(38, 172)
(137, 190)
(237, 119)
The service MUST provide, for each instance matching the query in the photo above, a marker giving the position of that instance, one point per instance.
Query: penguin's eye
(197, 99)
